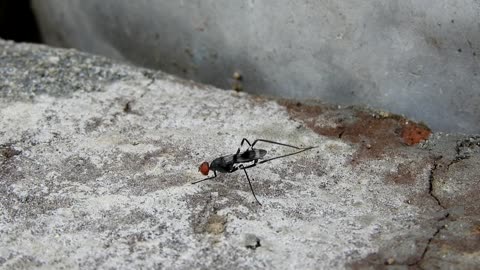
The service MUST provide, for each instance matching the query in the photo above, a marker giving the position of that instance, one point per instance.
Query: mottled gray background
(418, 58)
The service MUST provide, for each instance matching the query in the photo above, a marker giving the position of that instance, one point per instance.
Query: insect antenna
(291, 154)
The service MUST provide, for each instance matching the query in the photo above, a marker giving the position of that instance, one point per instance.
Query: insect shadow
(231, 163)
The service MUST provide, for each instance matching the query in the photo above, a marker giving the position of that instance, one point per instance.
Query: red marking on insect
(204, 168)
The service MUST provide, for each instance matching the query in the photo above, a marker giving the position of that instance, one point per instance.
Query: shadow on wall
(17, 21)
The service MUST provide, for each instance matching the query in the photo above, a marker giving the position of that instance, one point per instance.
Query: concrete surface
(96, 161)
(416, 58)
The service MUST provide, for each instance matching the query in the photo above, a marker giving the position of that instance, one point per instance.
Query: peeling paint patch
(374, 131)
(413, 133)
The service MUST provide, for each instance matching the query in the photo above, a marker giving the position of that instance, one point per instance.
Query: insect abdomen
(250, 155)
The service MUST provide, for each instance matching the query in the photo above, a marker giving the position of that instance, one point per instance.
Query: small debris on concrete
(252, 241)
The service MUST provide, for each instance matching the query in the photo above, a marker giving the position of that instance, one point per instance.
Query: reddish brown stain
(404, 175)
(457, 244)
(407, 173)
(413, 133)
(375, 132)
(476, 230)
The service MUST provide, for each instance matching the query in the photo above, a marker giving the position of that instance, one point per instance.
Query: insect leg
(272, 142)
(241, 144)
(208, 178)
(249, 183)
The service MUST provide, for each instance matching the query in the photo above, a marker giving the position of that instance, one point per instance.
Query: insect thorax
(222, 164)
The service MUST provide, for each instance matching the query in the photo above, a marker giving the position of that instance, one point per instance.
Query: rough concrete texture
(418, 58)
(96, 161)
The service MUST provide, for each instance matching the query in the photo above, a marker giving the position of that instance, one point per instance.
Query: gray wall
(419, 58)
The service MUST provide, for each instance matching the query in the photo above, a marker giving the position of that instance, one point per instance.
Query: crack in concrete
(431, 192)
(463, 150)
(439, 224)
(429, 241)
(465, 143)
(431, 179)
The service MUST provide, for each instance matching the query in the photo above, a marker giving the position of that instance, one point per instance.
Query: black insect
(231, 163)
